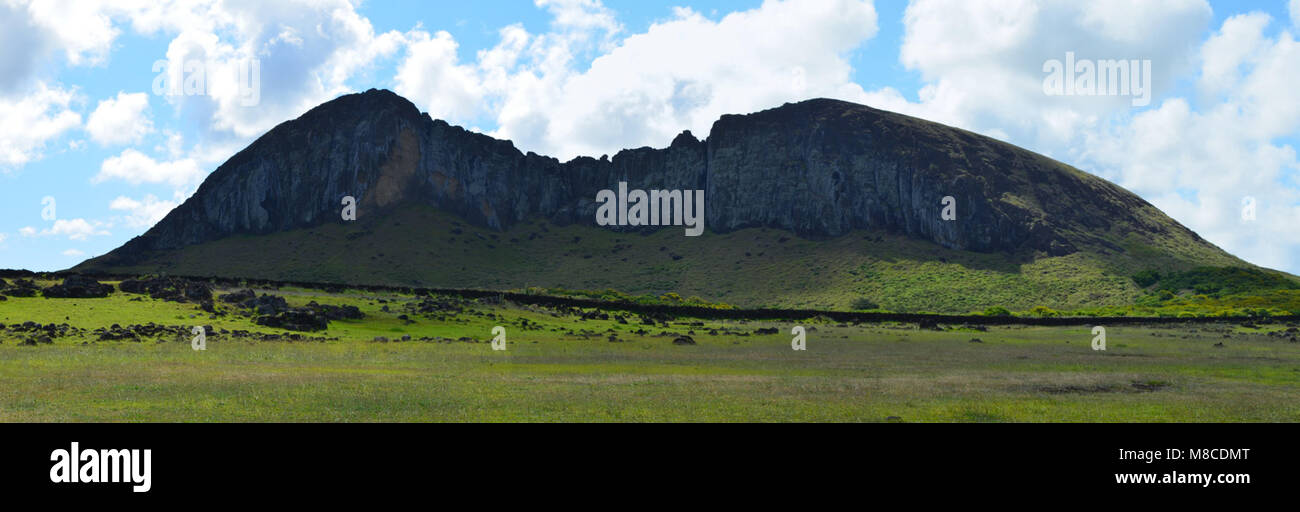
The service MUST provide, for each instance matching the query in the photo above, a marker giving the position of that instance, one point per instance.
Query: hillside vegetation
(756, 267)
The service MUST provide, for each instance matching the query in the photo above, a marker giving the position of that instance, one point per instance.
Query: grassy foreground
(561, 367)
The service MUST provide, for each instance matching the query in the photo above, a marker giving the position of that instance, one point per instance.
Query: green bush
(997, 311)
(1146, 278)
(1043, 312)
(863, 303)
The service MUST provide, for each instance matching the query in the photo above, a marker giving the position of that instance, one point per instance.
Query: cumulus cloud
(1295, 13)
(983, 64)
(293, 56)
(1201, 159)
(18, 30)
(120, 120)
(681, 73)
(432, 77)
(1204, 166)
(143, 213)
(135, 168)
(74, 229)
(28, 122)
(82, 29)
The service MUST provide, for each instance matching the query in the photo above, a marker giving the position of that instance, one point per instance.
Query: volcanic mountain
(819, 203)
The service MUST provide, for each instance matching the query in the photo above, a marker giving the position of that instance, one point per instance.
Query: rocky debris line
(436, 307)
(428, 339)
(137, 332)
(78, 287)
(174, 289)
(19, 288)
(32, 333)
(273, 311)
(1291, 334)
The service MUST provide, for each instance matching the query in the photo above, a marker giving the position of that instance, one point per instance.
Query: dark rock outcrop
(20, 288)
(818, 168)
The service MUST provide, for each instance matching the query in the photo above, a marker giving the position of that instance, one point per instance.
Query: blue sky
(79, 120)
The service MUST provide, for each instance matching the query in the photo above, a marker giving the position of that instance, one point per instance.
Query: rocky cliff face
(818, 168)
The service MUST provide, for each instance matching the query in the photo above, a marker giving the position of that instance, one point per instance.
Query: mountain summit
(824, 172)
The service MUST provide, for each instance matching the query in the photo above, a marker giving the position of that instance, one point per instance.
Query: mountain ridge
(819, 169)
(392, 131)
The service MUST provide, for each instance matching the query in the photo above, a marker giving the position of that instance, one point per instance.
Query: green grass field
(559, 367)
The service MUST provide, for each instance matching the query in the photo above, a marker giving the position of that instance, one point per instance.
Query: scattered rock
(174, 289)
(297, 319)
(239, 297)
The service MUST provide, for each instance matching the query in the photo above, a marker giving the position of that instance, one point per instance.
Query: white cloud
(3, 237)
(1199, 166)
(981, 66)
(120, 120)
(27, 231)
(81, 28)
(1295, 13)
(28, 122)
(644, 88)
(135, 168)
(305, 52)
(74, 229)
(73, 253)
(431, 77)
(982, 63)
(144, 213)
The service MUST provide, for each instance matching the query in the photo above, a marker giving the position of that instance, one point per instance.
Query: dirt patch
(1149, 386)
(1136, 386)
(1069, 390)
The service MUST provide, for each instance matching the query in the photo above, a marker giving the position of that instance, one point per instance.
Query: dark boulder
(297, 319)
(337, 312)
(266, 305)
(78, 287)
(238, 297)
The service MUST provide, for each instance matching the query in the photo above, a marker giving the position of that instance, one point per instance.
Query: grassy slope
(858, 373)
(753, 267)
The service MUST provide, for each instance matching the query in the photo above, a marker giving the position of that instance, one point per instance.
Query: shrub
(862, 303)
(997, 311)
(1043, 312)
(1146, 278)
